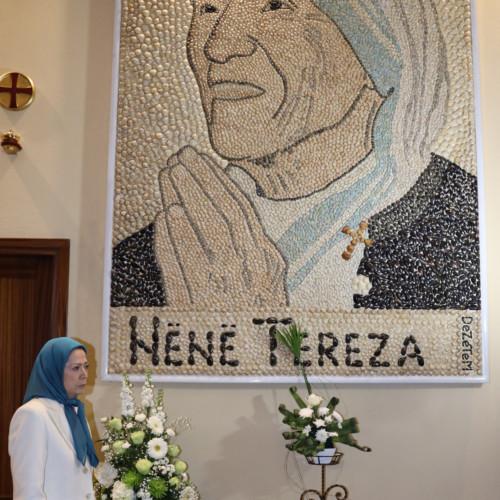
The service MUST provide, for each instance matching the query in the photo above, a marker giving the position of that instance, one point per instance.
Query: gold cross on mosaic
(16, 91)
(357, 237)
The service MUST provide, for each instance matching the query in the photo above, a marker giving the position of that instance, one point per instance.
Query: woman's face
(76, 373)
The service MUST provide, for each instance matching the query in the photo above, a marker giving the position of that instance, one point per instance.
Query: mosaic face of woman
(271, 73)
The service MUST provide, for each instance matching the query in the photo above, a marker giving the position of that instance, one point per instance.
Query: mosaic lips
(246, 78)
(230, 90)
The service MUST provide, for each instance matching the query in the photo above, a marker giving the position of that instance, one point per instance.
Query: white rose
(314, 400)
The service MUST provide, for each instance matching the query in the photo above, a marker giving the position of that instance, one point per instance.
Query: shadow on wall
(250, 459)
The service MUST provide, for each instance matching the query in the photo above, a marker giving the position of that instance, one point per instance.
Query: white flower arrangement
(141, 460)
(314, 425)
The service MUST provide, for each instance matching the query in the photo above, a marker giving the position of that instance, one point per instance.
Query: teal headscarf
(47, 381)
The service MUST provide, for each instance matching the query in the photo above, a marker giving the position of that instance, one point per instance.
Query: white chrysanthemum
(129, 425)
(105, 473)
(307, 430)
(322, 435)
(140, 417)
(157, 448)
(105, 447)
(189, 493)
(319, 422)
(155, 424)
(314, 400)
(323, 410)
(121, 492)
(328, 419)
(170, 432)
(306, 412)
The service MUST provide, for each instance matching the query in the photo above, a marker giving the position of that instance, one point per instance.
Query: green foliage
(157, 488)
(292, 337)
(132, 478)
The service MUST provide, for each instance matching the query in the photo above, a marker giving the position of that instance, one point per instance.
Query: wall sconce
(10, 142)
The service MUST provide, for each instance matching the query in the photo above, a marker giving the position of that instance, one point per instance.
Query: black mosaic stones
(135, 277)
(425, 253)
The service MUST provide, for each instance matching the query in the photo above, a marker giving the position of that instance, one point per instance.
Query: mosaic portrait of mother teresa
(302, 160)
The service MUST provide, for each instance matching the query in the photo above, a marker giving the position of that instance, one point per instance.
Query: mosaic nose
(230, 37)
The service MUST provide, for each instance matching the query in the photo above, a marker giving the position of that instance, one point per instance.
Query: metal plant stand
(341, 494)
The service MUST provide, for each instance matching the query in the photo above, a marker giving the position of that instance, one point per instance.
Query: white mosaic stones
(361, 285)
(457, 140)
(159, 108)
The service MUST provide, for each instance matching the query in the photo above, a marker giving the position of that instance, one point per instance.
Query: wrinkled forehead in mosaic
(375, 30)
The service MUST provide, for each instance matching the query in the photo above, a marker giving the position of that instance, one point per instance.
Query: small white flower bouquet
(142, 461)
(315, 426)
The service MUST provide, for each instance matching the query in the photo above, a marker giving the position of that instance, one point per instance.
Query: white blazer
(43, 459)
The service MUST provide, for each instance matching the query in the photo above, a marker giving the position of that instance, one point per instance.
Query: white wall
(430, 442)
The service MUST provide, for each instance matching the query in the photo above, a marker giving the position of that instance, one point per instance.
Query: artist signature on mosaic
(467, 343)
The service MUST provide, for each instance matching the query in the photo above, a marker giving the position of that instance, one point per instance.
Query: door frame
(55, 255)
(58, 251)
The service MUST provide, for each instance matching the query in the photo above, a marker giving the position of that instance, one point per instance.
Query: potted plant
(316, 427)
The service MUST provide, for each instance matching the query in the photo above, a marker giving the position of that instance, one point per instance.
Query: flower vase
(323, 457)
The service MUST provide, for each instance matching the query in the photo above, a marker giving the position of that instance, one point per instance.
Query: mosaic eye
(275, 5)
(208, 8)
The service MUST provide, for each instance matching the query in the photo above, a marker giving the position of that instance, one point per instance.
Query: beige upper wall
(429, 442)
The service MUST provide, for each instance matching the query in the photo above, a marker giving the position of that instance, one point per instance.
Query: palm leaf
(292, 337)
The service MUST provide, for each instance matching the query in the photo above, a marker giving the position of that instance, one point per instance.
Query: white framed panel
(308, 161)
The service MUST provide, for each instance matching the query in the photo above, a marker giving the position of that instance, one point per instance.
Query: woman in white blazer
(50, 446)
